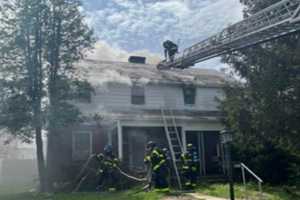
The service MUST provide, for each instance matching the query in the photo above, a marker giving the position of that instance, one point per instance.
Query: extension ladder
(174, 141)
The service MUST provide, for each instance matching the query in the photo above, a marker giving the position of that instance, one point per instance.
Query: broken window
(82, 145)
(137, 95)
(189, 94)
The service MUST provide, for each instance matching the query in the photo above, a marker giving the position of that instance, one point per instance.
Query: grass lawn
(218, 190)
(26, 192)
(270, 193)
(8, 194)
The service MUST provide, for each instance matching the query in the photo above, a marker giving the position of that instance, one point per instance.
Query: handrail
(252, 173)
(259, 180)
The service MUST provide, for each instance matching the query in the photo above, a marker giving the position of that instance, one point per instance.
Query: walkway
(203, 197)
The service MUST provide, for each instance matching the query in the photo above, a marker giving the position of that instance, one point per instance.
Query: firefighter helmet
(189, 146)
(108, 149)
(151, 145)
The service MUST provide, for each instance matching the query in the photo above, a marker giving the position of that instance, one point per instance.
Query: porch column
(120, 140)
(183, 138)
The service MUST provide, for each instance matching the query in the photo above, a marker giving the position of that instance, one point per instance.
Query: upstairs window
(137, 95)
(189, 94)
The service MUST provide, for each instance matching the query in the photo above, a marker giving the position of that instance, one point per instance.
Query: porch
(132, 137)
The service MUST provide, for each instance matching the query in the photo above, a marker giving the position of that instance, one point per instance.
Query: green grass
(218, 190)
(269, 193)
(128, 195)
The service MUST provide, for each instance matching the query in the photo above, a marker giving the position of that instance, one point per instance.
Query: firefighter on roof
(158, 163)
(170, 50)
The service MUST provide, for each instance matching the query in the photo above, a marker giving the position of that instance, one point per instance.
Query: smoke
(104, 51)
(18, 165)
(143, 81)
(110, 76)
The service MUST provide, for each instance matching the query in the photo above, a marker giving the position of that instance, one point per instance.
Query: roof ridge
(110, 71)
(95, 61)
(112, 62)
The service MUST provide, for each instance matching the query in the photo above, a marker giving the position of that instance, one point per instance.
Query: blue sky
(138, 27)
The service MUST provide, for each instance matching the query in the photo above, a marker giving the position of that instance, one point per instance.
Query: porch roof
(185, 115)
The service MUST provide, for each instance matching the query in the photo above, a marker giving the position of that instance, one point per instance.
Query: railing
(244, 168)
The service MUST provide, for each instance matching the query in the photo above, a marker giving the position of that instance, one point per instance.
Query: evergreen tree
(264, 110)
(40, 40)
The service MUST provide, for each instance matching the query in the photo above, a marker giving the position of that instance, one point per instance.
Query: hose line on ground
(132, 177)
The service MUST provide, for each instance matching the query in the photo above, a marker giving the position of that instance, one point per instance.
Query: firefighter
(101, 171)
(189, 168)
(170, 50)
(158, 163)
(169, 164)
(194, 164)
(167, 156)
(107, 170)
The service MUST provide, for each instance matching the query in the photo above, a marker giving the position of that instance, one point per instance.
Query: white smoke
(143, 81)
(110, 76)
(104, 51)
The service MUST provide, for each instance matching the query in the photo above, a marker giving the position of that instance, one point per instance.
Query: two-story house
(129, 98)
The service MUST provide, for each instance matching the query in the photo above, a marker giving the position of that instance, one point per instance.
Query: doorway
(207, 144)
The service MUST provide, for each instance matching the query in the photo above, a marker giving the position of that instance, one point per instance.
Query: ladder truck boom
(280, 19)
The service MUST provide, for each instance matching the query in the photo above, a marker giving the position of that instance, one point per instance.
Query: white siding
(119, 96)
(206, 98)
(157, 96)
(114, 96)
(172, 96)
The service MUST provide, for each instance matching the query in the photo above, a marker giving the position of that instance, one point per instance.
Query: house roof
(101, 72)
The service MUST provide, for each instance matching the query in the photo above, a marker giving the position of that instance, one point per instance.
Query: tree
(40, 42)
(22, 71)
(265, 108)
(68, 37)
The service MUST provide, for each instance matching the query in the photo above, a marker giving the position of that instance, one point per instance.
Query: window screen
(189, 94)
(137, 95)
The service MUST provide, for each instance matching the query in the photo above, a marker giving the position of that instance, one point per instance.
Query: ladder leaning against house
(174, 141)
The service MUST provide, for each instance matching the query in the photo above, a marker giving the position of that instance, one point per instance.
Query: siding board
(156, 96)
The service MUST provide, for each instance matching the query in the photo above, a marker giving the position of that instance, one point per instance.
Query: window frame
(135, 94)
(184, 91)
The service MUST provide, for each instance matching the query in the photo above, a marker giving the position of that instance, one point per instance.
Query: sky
(138, 27)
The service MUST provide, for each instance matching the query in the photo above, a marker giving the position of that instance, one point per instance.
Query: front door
(207, 144)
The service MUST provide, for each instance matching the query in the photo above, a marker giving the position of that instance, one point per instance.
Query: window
(189, 94)
(82, 145)
(137, 95)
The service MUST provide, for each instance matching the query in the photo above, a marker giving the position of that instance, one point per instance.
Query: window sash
(189, 94)
(137, 95)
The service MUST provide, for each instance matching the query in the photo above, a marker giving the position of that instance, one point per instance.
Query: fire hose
(132, 177)
(86, 166)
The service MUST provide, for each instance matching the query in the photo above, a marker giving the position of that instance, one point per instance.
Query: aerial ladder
(278, 20)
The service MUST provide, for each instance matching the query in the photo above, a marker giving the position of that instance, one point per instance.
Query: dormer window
(137, 95)
(189, 94)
